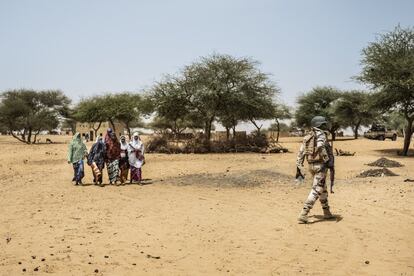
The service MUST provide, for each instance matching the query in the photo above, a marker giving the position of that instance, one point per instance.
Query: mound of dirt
(377, 173)
(385, 163)
(246, 179)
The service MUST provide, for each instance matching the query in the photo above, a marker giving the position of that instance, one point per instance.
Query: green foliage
(216, 88)
(394, 120)
(318, 102)
(171, 102)
(126, 108)
(282, 112)
(282, 127)
(29, 112)
(388, 66)
(90, 110)
(353, 109)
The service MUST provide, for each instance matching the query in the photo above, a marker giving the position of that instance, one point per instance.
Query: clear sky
(86, 47)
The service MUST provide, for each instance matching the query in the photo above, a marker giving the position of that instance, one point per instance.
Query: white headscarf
(137, 144)
(124, 145)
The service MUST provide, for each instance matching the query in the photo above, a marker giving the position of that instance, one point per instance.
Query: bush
(158, 143)
(257, 140)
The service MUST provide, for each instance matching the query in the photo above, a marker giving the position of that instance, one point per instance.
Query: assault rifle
(299, 176)
(332, 177)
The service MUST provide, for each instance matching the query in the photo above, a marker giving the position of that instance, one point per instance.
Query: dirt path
(203, 214)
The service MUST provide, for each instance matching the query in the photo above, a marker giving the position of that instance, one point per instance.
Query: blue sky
(89, 47)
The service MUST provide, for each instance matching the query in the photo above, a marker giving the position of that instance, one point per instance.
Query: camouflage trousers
(319, 190)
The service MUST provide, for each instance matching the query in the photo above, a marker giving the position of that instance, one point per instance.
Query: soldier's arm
(301, 156)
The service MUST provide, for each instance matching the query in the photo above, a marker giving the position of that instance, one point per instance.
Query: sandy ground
(203, 214)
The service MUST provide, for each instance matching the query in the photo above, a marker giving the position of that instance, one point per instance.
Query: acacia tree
(25, 113)
(126, 108)
(318, 102)
(91, 110)
(388, 66)
(215, 88)
(229, 89)
(354, 109)
(280, 112)
(170, 100)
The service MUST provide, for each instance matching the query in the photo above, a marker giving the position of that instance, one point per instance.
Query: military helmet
(317, 121)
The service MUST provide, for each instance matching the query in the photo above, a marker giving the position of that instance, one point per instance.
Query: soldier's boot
(327, 213)
(303, 217)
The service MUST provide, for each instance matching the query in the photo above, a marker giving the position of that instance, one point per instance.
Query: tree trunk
(278, 131)
(29, 135)
(257, 126)
(233, 140)
(113, 125)
(208, 131)
(23, 135)
(356, 131)
(35, 137)
(129, 130)
(175, 130)
(227, 134)
(333, 133)
(96, 129)
(407, 136)
(17, 137)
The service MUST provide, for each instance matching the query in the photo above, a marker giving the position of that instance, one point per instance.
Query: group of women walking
(119, 157)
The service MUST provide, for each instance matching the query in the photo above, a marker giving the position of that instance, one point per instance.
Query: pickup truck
(378, 132)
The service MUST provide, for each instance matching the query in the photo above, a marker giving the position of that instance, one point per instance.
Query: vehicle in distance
(380, 132)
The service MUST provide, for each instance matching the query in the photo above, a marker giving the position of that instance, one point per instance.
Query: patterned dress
(96, 159)
(136, 158)
(113, 154)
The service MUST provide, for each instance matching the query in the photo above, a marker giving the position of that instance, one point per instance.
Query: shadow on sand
(144, 182)
(342, 139)
(395, 153)
(319, 218)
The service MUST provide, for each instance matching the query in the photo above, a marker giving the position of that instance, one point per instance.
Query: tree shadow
(319, 218)
(342, 139)
(395, 152)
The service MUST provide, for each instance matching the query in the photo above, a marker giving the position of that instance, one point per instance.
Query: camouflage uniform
(318, 153)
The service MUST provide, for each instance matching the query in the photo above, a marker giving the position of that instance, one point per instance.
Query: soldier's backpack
(312, 153)
(310, 148)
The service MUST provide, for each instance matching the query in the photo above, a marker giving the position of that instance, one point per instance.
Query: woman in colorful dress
(76, 153)
(113, 154)
(136, 158)
(123, 162)
(96, 159)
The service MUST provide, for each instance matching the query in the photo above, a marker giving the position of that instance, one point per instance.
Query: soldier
(318, 153)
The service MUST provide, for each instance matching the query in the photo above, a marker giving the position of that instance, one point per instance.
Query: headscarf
(137, 144)
(124, 145)
(97, 153)
(113, 148)
(136, 158)
(77, 149)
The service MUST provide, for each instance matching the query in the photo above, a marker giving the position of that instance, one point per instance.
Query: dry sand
(203, 214)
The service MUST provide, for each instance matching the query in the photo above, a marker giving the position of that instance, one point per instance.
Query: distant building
(221, 136)
(87, 130)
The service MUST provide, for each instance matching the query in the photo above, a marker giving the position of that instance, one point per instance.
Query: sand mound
(385, 163)
(251, 178)
(377, 173)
